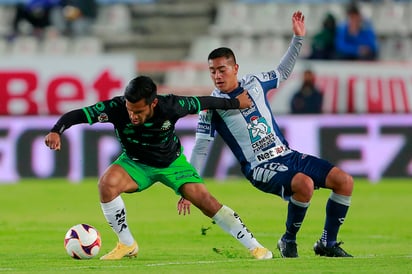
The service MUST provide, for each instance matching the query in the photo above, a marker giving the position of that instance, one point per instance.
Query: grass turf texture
(35, 215)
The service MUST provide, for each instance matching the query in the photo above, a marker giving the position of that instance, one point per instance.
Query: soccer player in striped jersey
(264, 154)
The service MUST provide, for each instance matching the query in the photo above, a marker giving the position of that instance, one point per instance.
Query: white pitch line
(199, 262)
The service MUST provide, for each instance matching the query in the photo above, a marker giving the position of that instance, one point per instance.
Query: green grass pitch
(35, 215)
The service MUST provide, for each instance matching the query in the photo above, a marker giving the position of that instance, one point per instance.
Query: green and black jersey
(155, 142)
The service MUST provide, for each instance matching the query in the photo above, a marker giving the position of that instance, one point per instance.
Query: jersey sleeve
(271, 79)
(288, 61)
(205, 129)
(99, 112)
(211, 102)
(184, 105)
(69, 119)
(104, 111)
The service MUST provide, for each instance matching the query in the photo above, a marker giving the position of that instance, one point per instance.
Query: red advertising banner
(354, 87)
(43, 85)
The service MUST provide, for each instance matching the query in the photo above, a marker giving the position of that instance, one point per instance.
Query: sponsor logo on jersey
(258, 129)
(203, 128)
(271, 153)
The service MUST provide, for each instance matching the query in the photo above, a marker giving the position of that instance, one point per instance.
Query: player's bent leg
(302, 189)
(201, 198)
(114, 182)
(337, 207)
(340, 182)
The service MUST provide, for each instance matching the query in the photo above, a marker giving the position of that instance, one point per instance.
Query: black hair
(353, 8)
(222, 52)
(141, 87)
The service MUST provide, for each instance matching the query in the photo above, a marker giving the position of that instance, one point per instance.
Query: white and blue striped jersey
(252, 134)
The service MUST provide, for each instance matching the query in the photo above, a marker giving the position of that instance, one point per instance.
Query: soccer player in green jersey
(144, 124)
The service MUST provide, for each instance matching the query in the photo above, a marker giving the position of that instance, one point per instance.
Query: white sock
(115, 214)
(230, 222)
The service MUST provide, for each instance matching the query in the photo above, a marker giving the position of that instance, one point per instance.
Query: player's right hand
(52, 140)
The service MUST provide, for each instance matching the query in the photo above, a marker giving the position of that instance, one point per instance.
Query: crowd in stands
(352, 39)
(69, 17)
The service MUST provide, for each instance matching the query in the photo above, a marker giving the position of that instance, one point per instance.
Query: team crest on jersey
(166, 125)
(103, 117)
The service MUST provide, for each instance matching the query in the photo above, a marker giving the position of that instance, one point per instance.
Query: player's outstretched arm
(287, 62)
(210, 102)
(74, 117)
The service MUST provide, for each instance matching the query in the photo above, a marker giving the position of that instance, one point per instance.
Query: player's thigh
(178, 173)
(114, 181)
(133, 175)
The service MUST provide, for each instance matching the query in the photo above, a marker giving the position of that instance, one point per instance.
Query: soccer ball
(82, 241)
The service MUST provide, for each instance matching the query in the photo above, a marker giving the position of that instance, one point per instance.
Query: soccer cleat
(333, 251)
(287, 249)
(262, 253)
(120, 251)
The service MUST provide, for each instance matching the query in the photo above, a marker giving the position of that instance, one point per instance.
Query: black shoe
(287, 249)
(333, 251)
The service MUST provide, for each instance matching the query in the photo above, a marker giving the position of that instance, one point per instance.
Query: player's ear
(236, 68)
(155, 101)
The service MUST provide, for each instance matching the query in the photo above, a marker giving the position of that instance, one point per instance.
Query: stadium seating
(87, 46)
(6, 17)
(3, 47)
(187, 30)
(201, 47)
(55, 46)
(25, 45)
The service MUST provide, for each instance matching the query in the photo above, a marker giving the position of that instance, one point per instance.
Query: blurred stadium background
(365, 125)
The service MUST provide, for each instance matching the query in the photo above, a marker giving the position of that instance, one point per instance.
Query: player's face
(223, 72)
(140, 112)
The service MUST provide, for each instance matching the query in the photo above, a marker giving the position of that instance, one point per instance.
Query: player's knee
(111, 185)
(347, 183)
(302, 187)
(340, 182)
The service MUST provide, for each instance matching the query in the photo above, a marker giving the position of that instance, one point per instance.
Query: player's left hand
(298, 23)
(183, 206)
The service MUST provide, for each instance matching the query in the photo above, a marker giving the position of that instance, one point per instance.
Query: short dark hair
(353, 8)
(222, 52)
(141, 87)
